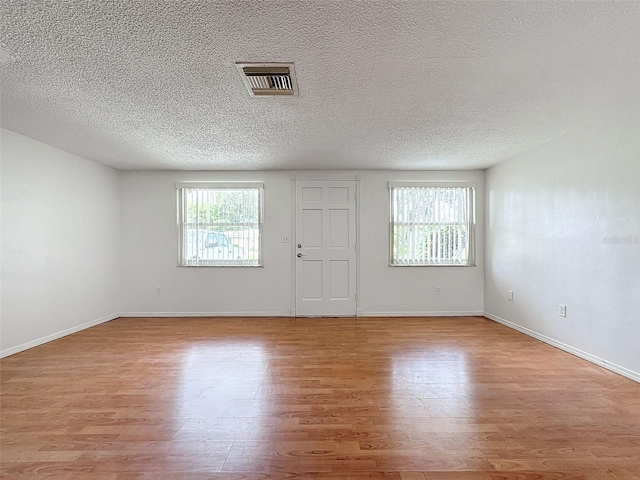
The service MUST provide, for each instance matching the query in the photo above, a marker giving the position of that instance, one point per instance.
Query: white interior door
(325, 248)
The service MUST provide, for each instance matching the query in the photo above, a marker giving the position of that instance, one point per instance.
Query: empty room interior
(320, 239)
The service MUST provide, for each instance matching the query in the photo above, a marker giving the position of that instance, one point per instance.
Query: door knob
(300, 255)
(299, 245)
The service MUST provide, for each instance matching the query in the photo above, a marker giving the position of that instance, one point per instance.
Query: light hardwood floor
(247, 398)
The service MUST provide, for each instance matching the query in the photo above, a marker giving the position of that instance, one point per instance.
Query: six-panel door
(325, 248)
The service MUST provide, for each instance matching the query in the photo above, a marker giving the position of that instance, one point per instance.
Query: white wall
(149, 253)
(411, 290)
(149, 250)
(563, 227)
(59, 243)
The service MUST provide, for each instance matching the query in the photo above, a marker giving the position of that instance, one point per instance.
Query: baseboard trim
(204, 314)
(625, 372)
(447, 313)
(55, 336)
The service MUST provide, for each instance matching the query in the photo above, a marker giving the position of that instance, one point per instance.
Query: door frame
(295, 177)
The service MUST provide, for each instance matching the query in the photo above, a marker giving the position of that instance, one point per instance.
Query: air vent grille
(269, 79)
(268, 82)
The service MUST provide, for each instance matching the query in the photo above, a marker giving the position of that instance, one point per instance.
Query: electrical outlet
(438, 291)
(510, 295)
(284, 239)
(158, 291)
(562, 310)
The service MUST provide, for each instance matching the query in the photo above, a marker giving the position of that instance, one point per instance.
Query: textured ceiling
(383, 84)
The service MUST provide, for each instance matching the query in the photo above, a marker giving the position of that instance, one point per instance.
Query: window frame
(471, 186)
(180, 221)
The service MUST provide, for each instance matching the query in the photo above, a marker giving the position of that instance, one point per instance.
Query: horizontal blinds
(431, 225)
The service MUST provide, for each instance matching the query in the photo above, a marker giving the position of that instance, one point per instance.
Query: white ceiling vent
(269, 79)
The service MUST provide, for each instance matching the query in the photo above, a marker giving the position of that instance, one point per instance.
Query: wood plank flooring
(282, 398)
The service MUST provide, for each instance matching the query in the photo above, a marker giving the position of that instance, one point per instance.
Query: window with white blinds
(220, 224)
(432, 225)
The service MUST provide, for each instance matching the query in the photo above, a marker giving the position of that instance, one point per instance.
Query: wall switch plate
(562, 310)
(284, 239)
(510, 295)
(438, 291)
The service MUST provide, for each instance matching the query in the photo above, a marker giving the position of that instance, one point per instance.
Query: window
(432, 225)
(220, 224)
